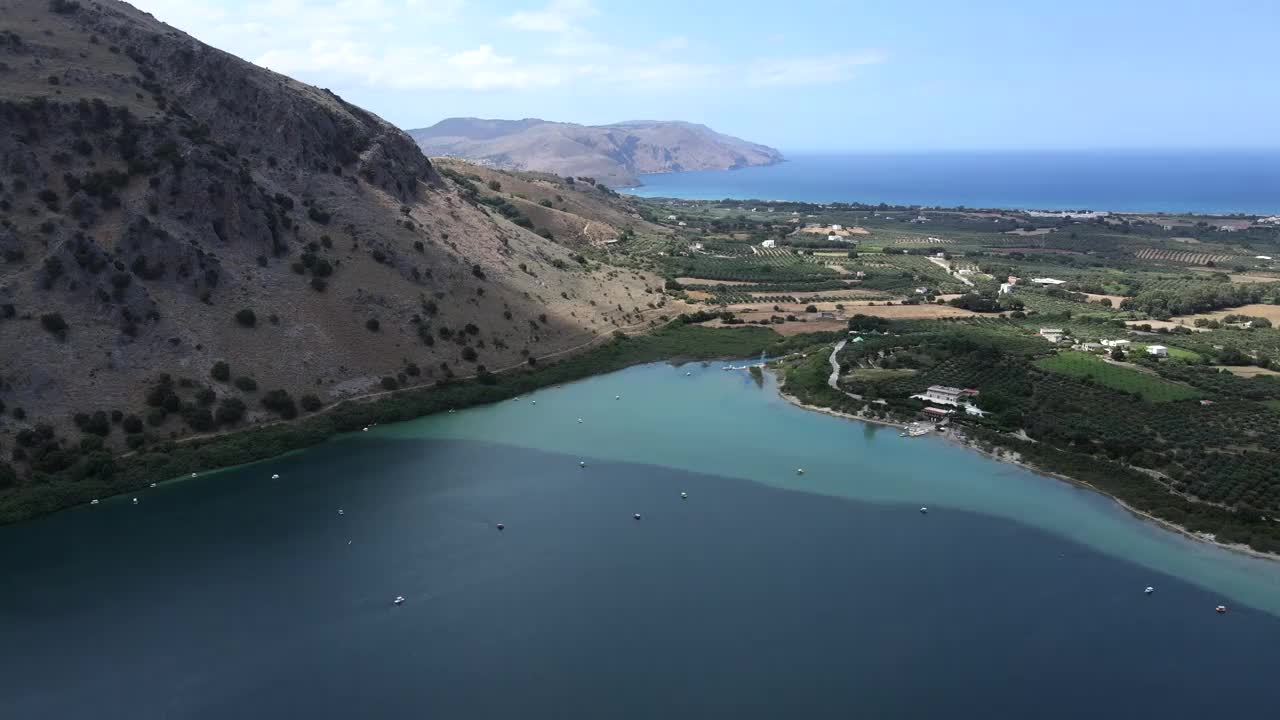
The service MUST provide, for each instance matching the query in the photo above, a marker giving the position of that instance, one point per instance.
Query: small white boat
(1149, 590)
(340, 512)
(582, 463)
(533, 402)
(636, 516)
(451, 411)
(399, 600)
(153, 484)
(924, 510)
(799, 471)
(579, 421)
(517, 398)
(684, 496)
(275, 476)
(135, 501)
(93, 501)
(501, 526)
(688, 374)
(1220, 609)
(364, 429)
(193, 474)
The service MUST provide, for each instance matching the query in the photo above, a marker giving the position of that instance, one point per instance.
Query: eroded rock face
(157, 192)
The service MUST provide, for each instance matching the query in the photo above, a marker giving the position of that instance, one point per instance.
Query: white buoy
(135, 501)
(93, 501)
(193, 474)
(1149, 590)
(924, 510)
(340, 511)
(636, 516)
(579, 421)
(582, 463)
(684, 496)
(364, 429)
(399, 600)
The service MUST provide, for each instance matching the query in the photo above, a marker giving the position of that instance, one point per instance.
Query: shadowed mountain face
(189, 243)
(613, 154)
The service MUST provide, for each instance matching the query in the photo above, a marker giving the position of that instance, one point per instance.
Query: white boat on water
(914, 431)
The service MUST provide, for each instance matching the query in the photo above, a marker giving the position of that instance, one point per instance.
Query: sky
(800, 75)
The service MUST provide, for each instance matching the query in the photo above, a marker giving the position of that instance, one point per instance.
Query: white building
(943, 394)
(682, 223)
(1047, 281)
(837, 227)
(1157, 351)
(1006, 288)
(769, 244)
(834, 238)
(1122, 344)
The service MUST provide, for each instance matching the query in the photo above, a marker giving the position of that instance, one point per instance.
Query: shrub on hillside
(220, 371)
(281, 403)
(246, 318)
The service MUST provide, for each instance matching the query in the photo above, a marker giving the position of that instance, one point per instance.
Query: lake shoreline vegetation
(98, 475)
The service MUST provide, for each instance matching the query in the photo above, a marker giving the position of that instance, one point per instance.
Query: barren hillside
(189, 242)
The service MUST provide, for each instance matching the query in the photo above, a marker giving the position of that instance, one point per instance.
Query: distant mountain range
(612, 154)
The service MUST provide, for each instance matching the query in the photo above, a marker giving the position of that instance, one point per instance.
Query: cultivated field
(1150, 387)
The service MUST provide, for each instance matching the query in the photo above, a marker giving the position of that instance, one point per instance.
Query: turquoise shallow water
(720, 423)
(764, 594)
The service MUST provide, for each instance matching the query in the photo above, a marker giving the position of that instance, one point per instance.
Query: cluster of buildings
(1057, 335)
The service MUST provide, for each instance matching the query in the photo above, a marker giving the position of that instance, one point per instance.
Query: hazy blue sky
(796, 74)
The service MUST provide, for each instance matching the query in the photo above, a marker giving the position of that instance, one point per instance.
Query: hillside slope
(166, 208)
(612, 154)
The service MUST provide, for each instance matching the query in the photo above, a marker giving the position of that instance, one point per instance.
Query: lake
(764, 594)
(1201, 182)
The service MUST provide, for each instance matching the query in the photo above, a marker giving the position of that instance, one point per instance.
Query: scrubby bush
(230, 410)
(221, 371)
(246, 383)
(281, 403)
(389, 383)
(246, 318)
(311, 403)
(54, 323)
(372, 324)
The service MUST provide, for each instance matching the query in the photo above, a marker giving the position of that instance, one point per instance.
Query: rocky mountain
(190, 243)
(613, 154)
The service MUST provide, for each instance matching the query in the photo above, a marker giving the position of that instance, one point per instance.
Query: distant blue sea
(1200, 182)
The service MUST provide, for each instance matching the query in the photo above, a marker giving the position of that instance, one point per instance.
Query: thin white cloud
(812, 70)
(559, 16)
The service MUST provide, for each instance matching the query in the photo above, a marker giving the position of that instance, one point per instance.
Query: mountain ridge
(616, 154)
(191, 243)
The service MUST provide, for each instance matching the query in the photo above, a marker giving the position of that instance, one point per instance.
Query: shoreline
(961, 440)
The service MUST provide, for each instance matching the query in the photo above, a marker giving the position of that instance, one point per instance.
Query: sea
(1207, 182)
(687, 570)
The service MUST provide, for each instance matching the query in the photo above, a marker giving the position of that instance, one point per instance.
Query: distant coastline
(1169, 182)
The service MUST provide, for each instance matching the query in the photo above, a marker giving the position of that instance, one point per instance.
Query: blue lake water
(1201, 182)
(765, 594)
